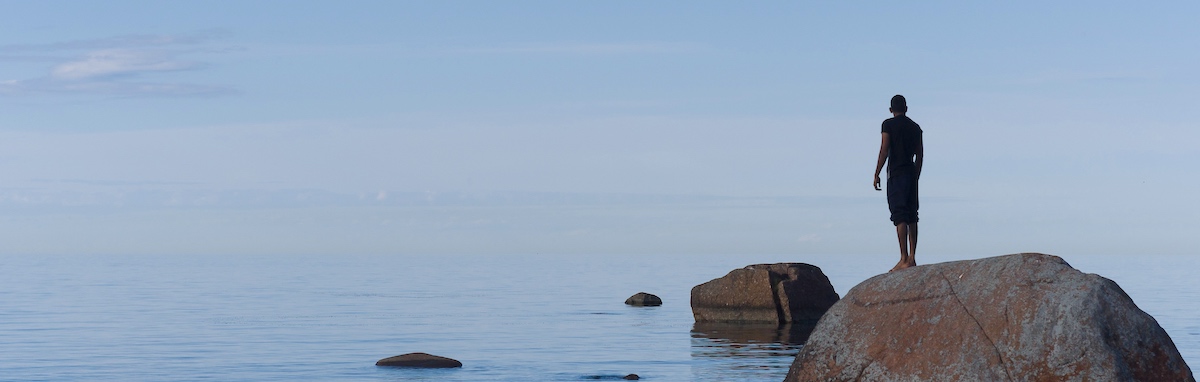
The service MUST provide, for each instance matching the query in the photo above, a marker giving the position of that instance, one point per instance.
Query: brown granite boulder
(765, 293)
(1023, 317)
(421, 360)
(643, 299)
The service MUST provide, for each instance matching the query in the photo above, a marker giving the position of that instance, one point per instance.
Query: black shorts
(902, 197)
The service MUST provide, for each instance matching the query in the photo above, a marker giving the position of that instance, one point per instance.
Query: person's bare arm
(920, 155)
(883, 154)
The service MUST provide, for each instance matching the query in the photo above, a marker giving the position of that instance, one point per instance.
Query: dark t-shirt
(904, 139)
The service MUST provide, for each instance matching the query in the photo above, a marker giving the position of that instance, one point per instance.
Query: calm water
(287, 318)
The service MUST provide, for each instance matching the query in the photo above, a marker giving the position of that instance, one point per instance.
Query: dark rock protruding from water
(765, 293)
(628, 377)
(643, 299)
(421, 360)
(1023, 317)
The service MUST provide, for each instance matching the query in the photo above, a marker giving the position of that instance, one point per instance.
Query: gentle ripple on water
(264, 318)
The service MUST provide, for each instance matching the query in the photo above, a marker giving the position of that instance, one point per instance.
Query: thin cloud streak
(590, 48)
(108, 66)
(110, 88)
(126, 41)
(117, 62)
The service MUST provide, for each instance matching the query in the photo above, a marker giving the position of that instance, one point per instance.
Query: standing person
(903, 150)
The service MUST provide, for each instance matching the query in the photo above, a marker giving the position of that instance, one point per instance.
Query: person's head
(899, 105)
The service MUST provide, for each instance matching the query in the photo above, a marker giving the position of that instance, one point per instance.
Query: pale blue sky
(592, 128)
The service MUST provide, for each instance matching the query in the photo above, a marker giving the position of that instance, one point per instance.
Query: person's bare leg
(902, 236)
(912, 244)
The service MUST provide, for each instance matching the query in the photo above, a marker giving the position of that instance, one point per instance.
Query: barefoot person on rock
(903, 150)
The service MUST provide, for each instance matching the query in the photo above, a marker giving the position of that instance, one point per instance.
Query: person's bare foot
(901, 265)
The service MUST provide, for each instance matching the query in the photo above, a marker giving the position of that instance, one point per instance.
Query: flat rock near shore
(1023, 317)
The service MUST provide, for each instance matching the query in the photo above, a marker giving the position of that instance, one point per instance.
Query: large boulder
(765, 293)
(1023, 317)
(420, 360)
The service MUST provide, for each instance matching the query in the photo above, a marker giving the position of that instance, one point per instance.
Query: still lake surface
(507, 318)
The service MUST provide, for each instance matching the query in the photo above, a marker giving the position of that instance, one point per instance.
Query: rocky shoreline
(1021, 317)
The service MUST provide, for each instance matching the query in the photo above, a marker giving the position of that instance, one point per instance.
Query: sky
(592, 128)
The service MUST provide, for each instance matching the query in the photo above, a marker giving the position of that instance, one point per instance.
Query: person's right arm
(883, 154)
(920, 157)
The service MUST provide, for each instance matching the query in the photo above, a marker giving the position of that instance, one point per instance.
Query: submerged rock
(1023, 317)
(765, 293)
(643, 299)
(629, 377)
(421, 360)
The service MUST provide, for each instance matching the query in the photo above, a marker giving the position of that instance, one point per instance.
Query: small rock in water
(421, 360)
(643, 299)
(628, 377)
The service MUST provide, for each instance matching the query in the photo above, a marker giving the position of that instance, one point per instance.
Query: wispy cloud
(122, 65)
(590, 48)
(116, 62)
(126, 41)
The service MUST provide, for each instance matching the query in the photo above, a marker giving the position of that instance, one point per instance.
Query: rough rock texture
(643, 299)
(765, 293)
(419, 360)
(1024, 317)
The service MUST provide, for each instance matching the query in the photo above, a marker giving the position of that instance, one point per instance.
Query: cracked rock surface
(1022, 317)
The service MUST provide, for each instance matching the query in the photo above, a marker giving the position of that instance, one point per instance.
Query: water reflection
(745, 351)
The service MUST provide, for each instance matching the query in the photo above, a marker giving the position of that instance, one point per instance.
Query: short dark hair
(899, 105)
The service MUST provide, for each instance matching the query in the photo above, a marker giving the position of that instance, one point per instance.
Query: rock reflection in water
(746, 351)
